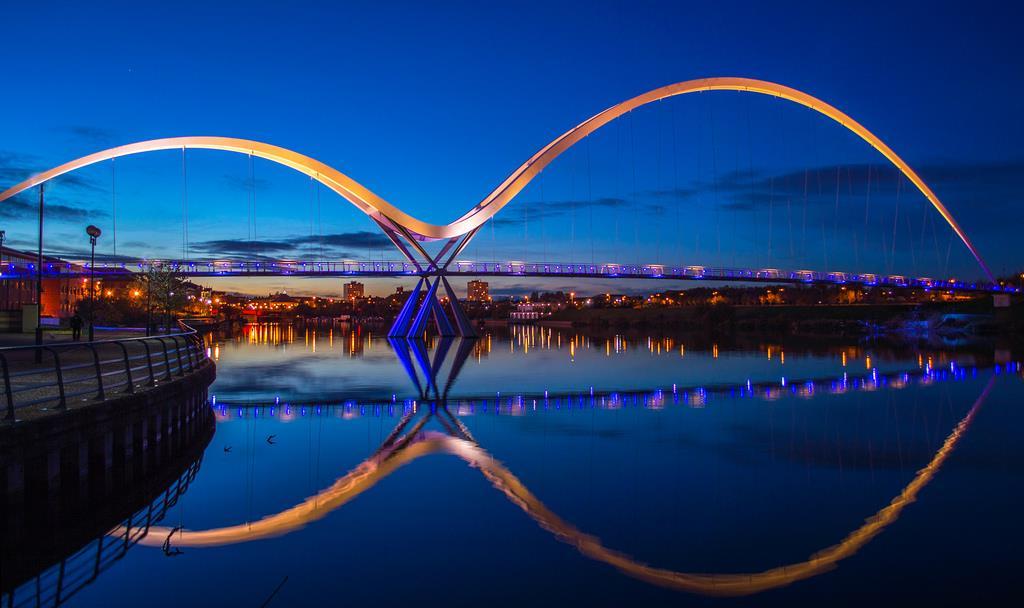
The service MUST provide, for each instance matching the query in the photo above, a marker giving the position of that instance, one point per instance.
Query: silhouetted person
(76, 327)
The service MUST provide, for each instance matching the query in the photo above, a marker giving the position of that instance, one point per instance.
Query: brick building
(353, 291)
(61, 293)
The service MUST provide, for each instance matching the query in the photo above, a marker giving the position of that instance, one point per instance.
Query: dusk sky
(432, 105)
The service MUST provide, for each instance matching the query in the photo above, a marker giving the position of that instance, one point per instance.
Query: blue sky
(431, 105)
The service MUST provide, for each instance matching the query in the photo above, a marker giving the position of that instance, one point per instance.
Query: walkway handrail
(105, 366)
(479, 268)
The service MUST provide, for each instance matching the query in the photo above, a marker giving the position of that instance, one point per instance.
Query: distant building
(531, 311)
(353, 291)
(478, 291)
(233, 299)
(274, 303)
(398, 298)
(61, 292)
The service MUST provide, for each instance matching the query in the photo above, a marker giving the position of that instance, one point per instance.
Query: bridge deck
(384, 269)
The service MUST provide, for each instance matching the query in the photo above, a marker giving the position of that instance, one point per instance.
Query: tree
(164, 293)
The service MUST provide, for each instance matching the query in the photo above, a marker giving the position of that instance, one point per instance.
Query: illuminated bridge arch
(351, 190)
(391, 217)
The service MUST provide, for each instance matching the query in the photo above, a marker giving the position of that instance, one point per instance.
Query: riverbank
(91, 441)
(830, 321)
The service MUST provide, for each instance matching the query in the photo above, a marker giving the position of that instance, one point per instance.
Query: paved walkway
(64, 335)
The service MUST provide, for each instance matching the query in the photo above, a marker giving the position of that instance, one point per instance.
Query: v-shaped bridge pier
(418, 311)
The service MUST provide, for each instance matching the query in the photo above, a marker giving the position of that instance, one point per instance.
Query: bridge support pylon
(415, 315)
(412, 320)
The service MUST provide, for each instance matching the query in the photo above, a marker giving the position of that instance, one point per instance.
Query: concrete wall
(78, 458)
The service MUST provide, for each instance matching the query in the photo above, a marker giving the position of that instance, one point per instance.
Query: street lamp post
(7, 284)
(94, 233)
(149, 301)
(39, 278)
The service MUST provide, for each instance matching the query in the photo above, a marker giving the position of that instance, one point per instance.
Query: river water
(545, 467)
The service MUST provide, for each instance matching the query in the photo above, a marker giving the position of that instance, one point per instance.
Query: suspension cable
(675, 185)
(543, 203)
(750, 166)
(867, 205)
(935, 239)
(113, 202)
(658, 182)
(632, 156)
(835, 208)
(573, 156)
(910, 243)
(248, 204)
(699, 156)
(184, 206)
(850, 196)
(817, 178)
(526, 228)
(319, 221)
(619, 131)
(771, 212)
(895, 221)
(714, 178)
(787, 153)
(252, 198)
(803, 221)
(854, 236)
(590, 200)
(949, 250)
(311, 248)
(733, 215)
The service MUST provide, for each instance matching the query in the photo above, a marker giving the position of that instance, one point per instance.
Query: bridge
(409, 234)
(398, 268)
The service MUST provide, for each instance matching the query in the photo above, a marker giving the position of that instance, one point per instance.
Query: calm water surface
(593, 470)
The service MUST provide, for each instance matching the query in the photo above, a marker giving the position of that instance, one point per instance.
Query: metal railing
(395, 268)
(94, 370)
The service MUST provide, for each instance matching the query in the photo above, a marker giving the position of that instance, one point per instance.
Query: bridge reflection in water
(410, 440)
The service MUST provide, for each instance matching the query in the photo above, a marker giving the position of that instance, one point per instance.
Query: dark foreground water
(548, 468)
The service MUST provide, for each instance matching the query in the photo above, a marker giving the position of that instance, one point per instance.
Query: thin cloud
(335, 245)
(246, 183)
(996, 183)
(353, 240)
(238, 247)
(674, 193)
(18, 208)
(16, 168)
(93, 135)
(537, 210)
(83, 254)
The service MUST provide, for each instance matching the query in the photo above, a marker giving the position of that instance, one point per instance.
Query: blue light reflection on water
(733, 477)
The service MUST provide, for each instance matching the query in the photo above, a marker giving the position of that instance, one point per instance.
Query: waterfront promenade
(85, 419)
(63, 375)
